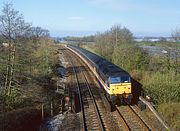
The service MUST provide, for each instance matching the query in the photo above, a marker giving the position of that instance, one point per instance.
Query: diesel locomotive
(115, 81)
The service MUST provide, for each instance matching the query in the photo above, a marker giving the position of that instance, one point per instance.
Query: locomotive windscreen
(122, 79)
(115, 80)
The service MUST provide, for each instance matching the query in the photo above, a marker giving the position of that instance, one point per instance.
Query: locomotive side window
(125, 79)
(115, 80)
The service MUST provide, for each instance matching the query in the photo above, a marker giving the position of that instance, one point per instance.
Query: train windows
(125, 79)
(114, 80)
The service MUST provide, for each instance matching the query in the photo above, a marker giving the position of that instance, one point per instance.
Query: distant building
(153, 39)
(138, 39)
(61, 40)
(164, 51)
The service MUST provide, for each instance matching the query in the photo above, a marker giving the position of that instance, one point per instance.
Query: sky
(87, 17)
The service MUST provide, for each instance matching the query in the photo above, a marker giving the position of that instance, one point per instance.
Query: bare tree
(121, 35)
(109, 41)
(12, 27)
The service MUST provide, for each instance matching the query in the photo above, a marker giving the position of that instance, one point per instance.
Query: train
(115, 81)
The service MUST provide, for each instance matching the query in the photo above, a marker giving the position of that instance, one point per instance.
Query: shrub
(171, 113)
(13, 101)
(136, 74)
(162, 87)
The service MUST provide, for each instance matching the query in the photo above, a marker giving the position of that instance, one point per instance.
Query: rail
(81, 99)
(127, 128)
(95, 104)
(80, 96)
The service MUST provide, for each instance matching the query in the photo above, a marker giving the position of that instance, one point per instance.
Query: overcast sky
(85, 17)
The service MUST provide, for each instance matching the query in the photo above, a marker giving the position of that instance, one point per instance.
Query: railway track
(123, 125)
(133, 120)
(126, 118)
(91, 116)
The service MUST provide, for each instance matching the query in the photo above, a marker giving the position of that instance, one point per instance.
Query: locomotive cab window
(115, 80)
(125, 79)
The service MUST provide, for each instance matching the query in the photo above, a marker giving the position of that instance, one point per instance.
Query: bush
(162, 87)
(13, 101)
(130, 57)
(136, 74)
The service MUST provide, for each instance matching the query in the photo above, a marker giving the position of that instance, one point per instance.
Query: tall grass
(163, 87)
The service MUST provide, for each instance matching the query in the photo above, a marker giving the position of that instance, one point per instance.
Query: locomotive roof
(108, 68)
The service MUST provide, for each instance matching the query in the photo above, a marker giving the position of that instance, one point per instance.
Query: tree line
(80, 39)
(118, 46)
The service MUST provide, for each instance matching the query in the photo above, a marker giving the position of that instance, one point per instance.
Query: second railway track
(91, 116)
(132, 119)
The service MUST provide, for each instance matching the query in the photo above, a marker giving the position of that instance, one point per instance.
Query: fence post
(51, 109)
(42, 111)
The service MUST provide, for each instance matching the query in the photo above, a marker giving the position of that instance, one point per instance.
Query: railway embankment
(30, 103)
(66, 117)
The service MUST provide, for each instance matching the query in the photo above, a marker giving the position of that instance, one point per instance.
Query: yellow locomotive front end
(120, 86)
(120, 89)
